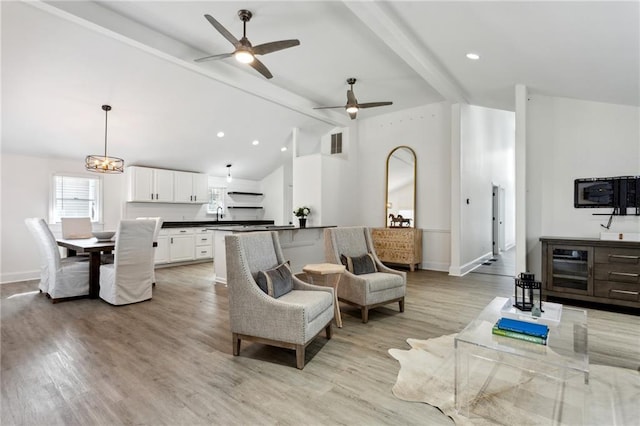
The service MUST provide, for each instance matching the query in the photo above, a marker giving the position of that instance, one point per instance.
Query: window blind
(76, 197)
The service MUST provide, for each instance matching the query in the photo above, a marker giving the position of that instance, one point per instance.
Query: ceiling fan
(245, 52)
(352, 105)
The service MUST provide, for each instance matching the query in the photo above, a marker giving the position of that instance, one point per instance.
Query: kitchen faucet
(219, 213)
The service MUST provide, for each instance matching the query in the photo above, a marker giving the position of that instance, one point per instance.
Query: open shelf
(244, 207)
(257, 194)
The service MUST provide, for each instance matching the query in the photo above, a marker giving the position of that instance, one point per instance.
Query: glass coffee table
(537, 380)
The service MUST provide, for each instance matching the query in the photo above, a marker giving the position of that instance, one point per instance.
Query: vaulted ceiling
(62, 60)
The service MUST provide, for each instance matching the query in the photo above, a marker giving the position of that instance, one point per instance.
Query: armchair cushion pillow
(275, 282)
(359, 265)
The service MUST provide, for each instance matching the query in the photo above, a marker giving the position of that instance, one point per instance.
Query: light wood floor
(168, 361)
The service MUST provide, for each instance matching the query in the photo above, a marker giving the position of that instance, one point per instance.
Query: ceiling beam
(104, 21)
(394, 35)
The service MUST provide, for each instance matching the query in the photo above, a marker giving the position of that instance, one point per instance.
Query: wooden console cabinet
(592, 270)
(401, 246)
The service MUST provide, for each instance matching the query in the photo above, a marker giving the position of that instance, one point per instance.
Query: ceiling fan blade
(222, 30)
(352, 115)
(274, 46)
(327, 107)
(374, 104)
(351, 98)
(261, 68)
(212, 57)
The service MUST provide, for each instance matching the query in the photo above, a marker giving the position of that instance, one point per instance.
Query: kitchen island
(300, 246)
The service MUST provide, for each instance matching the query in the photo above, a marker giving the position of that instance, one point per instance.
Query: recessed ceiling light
(220, 134)
(473, 56)
(283, 149)
(255, 142)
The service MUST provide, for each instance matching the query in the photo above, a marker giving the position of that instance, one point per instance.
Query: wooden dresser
(402, 246)
(592, 270)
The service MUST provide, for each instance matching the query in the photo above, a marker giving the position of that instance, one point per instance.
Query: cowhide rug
(513, 396)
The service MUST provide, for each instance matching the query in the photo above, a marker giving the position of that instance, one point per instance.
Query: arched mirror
(401, 188)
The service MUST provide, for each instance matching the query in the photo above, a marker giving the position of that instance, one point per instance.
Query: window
(75, 196)
(216, 200)
(336, 143)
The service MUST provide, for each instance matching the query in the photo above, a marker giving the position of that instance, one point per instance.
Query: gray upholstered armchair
(291, 320)
(367, 290)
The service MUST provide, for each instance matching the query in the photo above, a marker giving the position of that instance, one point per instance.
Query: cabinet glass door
(571, 269)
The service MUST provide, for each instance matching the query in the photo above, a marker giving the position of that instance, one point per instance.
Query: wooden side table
(327, 274)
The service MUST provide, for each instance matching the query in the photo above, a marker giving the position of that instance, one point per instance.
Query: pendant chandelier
(104, 163)
(229, 178)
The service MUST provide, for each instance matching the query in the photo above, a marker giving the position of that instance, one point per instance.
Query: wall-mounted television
(619, 193)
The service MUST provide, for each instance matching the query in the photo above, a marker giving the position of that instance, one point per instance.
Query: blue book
(532, 329)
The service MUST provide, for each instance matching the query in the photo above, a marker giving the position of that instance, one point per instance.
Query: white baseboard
(435, 266)
(13, 277)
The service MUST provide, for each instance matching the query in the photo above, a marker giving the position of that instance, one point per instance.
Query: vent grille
(336, 143)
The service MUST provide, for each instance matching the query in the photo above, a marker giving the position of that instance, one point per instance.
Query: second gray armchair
(370, 283)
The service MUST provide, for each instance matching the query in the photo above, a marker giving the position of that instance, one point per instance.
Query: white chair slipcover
(76, 228)
(159, 221)
(129, 278)
(59, 278)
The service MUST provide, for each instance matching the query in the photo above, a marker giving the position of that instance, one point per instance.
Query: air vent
(336, 143)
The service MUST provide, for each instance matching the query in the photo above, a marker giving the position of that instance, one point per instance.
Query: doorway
(497, 219)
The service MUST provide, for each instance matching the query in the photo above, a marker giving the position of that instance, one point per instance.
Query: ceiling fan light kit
(244, 51)
(104, 163)
(352, 106)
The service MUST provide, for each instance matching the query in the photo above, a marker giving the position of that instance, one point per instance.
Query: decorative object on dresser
(592, 270)
(400, 201)
(402, 246)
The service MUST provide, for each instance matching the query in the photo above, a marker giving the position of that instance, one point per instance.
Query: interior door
(497, 215)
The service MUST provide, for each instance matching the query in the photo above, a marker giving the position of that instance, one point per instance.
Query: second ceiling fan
(244, 52)
(352, 105)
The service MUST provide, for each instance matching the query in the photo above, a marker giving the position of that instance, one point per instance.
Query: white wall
(307, 187)
(273, 188)
(426, 129)
(487, 158)
(569, 139)
(26, 186)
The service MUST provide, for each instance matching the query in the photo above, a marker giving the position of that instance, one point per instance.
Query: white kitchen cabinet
(181, 244)
(162, 250)
(150, 185)
(191, 187)
(204, 243)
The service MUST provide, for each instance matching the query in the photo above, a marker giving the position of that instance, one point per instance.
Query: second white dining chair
(76, 228)
(129, 279)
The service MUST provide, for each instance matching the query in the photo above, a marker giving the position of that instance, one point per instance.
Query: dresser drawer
(616, 290)
(617, 256)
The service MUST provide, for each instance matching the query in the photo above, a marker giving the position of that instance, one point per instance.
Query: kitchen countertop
(256, 228)
(214, 223)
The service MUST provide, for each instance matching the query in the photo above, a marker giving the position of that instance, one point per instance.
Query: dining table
(95, 249)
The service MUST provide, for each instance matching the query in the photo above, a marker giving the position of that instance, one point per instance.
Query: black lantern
(528, 293)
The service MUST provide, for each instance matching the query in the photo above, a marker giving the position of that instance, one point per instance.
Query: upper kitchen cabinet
(191, 187)
(152, 185)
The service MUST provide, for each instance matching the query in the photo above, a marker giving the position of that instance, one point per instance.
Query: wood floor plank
(169, 360)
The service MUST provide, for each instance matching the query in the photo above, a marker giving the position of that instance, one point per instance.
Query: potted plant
(302, 213)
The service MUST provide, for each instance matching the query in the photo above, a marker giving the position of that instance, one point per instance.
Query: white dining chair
(159, 221)
(76, 228)
(129, 278)
(59, 278)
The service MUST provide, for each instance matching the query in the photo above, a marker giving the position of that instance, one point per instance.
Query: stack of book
(523, 330)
